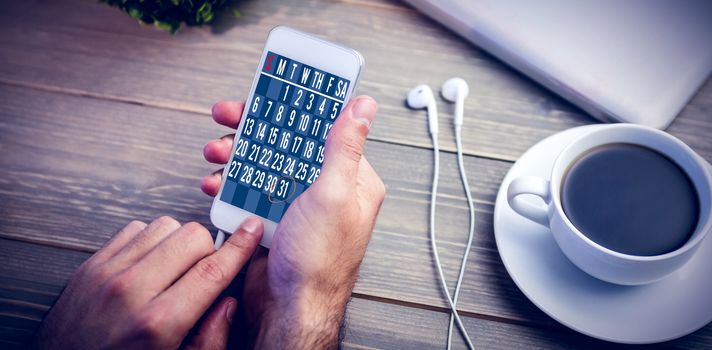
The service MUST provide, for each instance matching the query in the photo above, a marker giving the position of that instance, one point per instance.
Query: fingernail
(364, 111)
(251, 225)
(230, 311)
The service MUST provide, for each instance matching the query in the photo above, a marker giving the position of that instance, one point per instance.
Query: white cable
(441, 275)
(471, 234)
(219, 239)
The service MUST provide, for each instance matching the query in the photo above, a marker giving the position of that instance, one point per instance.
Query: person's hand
(295, 295)
(147, 287)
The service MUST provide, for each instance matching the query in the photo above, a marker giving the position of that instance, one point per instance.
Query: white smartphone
(299, 89)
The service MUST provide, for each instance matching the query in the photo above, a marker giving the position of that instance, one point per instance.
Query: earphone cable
(471, 234)
(433, 244)
(219, 239)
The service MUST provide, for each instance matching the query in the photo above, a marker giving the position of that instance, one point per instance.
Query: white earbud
(453, 90)
(422, 97)
(456, 90)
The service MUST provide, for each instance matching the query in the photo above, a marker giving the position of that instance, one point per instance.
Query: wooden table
(103, 121)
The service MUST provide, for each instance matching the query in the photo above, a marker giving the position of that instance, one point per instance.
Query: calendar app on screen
(280, 148)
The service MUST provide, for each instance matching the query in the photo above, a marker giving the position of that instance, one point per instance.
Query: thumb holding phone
(321, 241)
(304, 281)
(332, 221)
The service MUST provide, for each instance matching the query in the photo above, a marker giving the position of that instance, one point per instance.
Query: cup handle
(529, 185)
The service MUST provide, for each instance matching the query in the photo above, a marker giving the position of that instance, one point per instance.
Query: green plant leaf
(135, 13)
(163, 25)
(204, 14)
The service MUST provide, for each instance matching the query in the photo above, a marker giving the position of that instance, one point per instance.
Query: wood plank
(694, 124)
(24, 301)
(29, 285)
(99, 51)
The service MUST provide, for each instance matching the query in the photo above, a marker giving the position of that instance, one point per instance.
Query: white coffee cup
(589, 256)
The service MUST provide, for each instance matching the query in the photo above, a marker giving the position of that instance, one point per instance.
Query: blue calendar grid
(281, 146)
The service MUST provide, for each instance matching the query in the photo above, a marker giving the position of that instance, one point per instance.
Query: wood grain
(75, 176)
(72, 177)
(103, 121)
(506, 113)
(29, 286)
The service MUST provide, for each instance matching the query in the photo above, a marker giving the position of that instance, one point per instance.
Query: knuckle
(194, 227)
(84, 270)
(351, 147)
(241, 242)
(118, 287)
(84, 276)
(199, 236)
(210, 270)
(165, 221)
(148, 326)
(96, 274)
(205, 244)
(136, 224)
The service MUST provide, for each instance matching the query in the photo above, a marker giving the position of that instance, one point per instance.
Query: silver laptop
(636, 61)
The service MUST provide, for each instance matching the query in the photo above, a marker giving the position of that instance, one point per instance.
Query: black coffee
(630, 199)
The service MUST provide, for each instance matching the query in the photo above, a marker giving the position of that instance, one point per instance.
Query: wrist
(305, 319)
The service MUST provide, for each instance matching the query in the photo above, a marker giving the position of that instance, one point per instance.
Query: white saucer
(673, 307)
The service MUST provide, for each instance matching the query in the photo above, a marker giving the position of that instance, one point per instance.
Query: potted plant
(171, 15)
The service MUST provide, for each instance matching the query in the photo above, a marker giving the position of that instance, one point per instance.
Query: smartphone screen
(281, 145)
